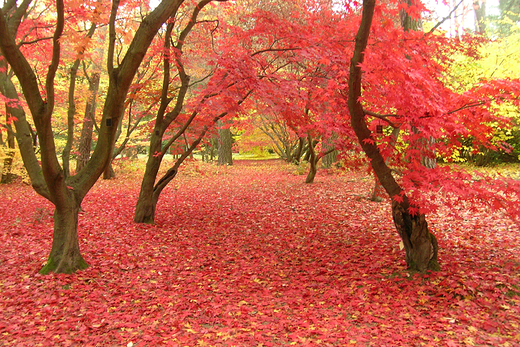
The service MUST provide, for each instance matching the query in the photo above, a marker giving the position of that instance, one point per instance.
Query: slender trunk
(71, 112)
(109, 172)
(312, 160)
(85, 140)
(65, 256)
(378, 192)
(331, 157)
(149, 195)
(299, 150)
(420, 245)
(480, 16)
(7, 175)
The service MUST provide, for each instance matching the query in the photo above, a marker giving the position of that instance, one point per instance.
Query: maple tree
(174, 119)
(291, 60)
(404, 86)
(238, 63)
(50, 180)
(420, 244)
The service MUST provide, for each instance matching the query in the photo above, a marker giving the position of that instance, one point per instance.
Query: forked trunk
(145, 208)
(420, 245)
(65, 256)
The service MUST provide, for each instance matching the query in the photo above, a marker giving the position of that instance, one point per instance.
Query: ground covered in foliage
(249, 255)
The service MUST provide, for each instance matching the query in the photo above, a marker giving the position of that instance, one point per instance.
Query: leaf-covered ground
(249, 255)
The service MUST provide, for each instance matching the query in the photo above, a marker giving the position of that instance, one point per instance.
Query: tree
(8, 148)
(405, 85)
(225, 144)
(67, 192)
(239, 68)
(150, 190)
(420, 245)
(434, 122)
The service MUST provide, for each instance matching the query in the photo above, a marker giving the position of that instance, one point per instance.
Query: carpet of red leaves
(249, 255)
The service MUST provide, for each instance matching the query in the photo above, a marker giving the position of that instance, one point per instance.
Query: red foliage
(251, 255)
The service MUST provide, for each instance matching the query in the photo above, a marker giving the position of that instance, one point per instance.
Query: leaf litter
(249, 255)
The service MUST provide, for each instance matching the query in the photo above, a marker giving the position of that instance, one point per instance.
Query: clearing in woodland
(249, 255)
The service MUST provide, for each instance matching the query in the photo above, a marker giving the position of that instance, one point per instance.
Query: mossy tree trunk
(65, 256)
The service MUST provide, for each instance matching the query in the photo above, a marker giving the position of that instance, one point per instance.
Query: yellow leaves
(188, 328)
(469, 341)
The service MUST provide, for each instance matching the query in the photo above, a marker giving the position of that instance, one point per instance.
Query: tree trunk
(480, 16)
(7, 176)
(296, 157)
(85, 140)
(332, 157)
(145, 208)
(109, 172)
(378, 192)
(65, 256)
(146, 205)
(312, 160)
(225, 143)
(420, 245)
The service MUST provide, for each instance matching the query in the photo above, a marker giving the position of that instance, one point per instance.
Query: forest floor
(249, 255)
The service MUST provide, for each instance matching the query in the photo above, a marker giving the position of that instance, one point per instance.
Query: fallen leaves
(252, 256)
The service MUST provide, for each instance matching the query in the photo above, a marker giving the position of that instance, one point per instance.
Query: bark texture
(87, 129)
(65, 256)
(225, 144)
